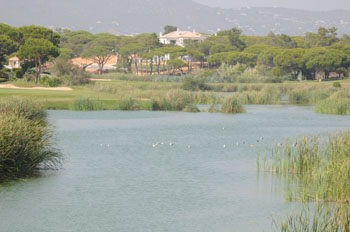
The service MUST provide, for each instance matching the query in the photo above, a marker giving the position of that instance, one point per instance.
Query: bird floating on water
(154, 144)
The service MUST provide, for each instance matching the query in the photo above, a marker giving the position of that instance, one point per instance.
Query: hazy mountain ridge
(137, 16)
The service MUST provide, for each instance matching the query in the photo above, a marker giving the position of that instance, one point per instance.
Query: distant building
(90, 66)
(14, 62)
(178, 37)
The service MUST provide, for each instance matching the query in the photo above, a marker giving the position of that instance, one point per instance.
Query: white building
(14, 62)
(178, 37)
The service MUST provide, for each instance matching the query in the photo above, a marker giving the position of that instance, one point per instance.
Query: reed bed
(321, 219)
(333, 106)
(129, 104)
(337, 103)
(320, 169)
(231, 105)
(175, 100)
(25, 140)
(86, 104)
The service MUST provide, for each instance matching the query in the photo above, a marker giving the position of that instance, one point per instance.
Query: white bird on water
(154, 144)
(224, 146)
(171, 144)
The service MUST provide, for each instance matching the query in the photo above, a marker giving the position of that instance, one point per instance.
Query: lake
(160, 171)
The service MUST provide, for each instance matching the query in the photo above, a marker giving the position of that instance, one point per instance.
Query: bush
(155, 106)
(50, 81)
(25, 140)
(86, 104)
(195, 84)
(176, 101)
(4, 75)
(231, 106)
(70, 74)
(337, 84)
(128, 104)
(191, 108)
(18, 73)
(273, 79)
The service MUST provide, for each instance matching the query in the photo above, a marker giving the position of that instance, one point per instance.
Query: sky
(317, 5)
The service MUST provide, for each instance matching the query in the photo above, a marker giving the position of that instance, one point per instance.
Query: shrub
(4, 75)
(195, 84)
(176, 100)
(191, 108)
(86, 104)
(273, 79)
(128, 104)
(231, 106)
(155, 106)
(17, 72)
(70, 74)
(337, 84)
(50, 81)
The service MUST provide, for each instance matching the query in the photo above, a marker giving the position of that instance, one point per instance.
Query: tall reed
(321, 169)
(86, 104)
(231, 105)
(25, 140)
(322, 219)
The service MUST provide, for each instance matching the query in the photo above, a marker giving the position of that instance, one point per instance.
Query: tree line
(309, 56)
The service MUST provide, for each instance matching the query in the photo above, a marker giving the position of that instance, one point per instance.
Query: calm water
(115, 180)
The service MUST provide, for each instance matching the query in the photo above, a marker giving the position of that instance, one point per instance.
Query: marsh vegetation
(26, 144)
(320, 172)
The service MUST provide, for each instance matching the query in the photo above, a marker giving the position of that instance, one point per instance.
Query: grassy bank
(25, 140)
(117, 94)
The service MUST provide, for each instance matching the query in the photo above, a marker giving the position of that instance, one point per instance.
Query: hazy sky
(297, 4)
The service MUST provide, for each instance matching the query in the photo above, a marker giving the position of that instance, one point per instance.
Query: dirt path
(11, 86)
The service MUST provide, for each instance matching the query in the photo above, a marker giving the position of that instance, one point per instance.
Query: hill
(137, 16)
